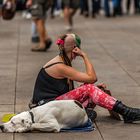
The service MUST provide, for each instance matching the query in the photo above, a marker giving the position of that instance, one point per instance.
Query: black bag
(8, 10)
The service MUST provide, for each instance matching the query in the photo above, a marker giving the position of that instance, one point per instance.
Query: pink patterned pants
(88, 93)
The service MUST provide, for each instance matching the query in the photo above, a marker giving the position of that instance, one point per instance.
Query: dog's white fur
(50, 117)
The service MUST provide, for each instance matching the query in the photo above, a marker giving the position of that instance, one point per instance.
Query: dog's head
(20, 123)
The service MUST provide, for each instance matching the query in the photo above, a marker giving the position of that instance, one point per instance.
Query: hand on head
(77, 51)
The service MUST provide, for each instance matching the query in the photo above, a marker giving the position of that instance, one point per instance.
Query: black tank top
(47, 87)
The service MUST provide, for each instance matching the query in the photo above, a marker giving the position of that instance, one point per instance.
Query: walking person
(1, 2)
(136, 6)
(107, 8)
(38, 11)
(96, 5)
(55, 81)
(117, 8)
(69, 8)
(84, 7)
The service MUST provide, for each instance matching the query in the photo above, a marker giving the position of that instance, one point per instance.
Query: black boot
(91, 114)
(129, 114)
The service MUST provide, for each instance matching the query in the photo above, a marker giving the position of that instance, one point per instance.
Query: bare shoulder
(52, 61)
(63, 67)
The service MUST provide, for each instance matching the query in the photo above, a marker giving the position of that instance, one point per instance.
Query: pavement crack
(99, 130)
(17, 61)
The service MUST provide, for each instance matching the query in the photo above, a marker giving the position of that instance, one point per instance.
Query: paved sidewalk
(113, 46)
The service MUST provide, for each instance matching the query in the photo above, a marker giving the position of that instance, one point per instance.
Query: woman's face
(69, 45)
(73, 55)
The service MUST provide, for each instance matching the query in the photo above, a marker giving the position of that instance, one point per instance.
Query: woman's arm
(88, 77)
(89, 68)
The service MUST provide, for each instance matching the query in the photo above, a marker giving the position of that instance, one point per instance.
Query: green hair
(77, 40)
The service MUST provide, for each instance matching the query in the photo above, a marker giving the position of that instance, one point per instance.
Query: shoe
(129, 114)
(48, 43)
(38, 49)
(108, 15)
(91, 114)
(86, 14)
(115, 115)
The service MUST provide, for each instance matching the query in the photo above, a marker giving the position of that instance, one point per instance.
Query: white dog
(50, 117)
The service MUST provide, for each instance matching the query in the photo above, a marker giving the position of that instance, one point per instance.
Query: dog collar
(32, 116)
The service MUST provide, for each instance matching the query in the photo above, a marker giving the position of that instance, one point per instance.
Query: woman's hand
(78, 52)
(102, 85)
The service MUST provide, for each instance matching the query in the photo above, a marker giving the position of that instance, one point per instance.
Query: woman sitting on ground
(55, 81)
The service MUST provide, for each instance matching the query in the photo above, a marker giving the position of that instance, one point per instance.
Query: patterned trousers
(89, 93)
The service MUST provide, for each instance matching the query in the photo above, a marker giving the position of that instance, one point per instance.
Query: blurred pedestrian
(107, 8)
(1, 1)
(38, 11)
(136, 6)
(117, 8)
(84, 7)
(69, 7)
(96, 5)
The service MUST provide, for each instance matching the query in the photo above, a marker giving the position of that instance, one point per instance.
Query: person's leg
(66, 11)
(80, 94)
(39, 15)
(35, 36)
(86, 8)
(95, 7)
(81, 7)
(138, 1)
(120, 12)
(137, 6)
(115, 7)
(66, 15)
(67, 18)
(72, 13)
(70, 9)
(89, 91)
(74, 5)
(0, 11)
(53, 8)
(1, 2)
(40, 24)
(107, 8)
(128, 6)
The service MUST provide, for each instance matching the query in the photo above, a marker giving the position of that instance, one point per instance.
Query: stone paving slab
(113, 47)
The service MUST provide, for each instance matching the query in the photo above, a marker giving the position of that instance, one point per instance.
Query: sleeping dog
(50, 117)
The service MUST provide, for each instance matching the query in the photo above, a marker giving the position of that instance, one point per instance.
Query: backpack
(8, 9)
